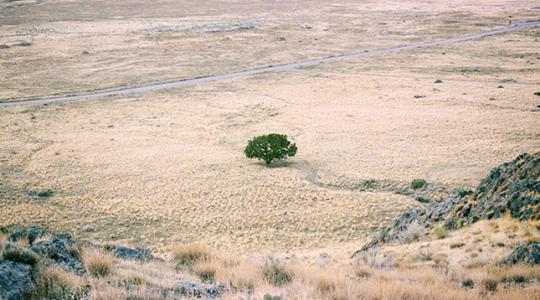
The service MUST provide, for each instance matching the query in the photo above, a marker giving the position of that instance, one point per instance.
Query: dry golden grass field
(163, 168)
(168, 166)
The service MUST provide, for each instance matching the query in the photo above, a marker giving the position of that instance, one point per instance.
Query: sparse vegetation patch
(189, 254)
(418, 183)
(275, 273)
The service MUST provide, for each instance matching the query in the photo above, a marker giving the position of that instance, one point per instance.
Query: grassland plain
(64, 47)
(171, 169)
(166, 167)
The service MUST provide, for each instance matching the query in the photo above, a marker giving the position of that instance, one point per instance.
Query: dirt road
(280, 68)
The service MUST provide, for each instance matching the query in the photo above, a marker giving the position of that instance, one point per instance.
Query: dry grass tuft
(189, 254)
(99, 264)
(207, 270)
(362, 271)
(489, 285)
(276, 272)
(55, 283)
(514, 274)
(241, 276)
(440, 232)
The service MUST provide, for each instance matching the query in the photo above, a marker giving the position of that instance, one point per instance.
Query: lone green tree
(270, 147)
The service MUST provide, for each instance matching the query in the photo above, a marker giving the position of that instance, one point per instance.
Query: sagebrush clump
(418, 183)
(275, 273)
(14, 252)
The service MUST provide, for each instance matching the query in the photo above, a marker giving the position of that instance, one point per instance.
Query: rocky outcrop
(58, 248)
(31, 234)
(62, 252)
(200, 290)
(183, 290)
(139, 254)
(15, 280)
(21, 265)
(524, 254)
(512, 189)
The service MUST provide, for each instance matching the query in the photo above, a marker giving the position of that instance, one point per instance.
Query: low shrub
(17, 253)
(440, 232)
(276, 273)
(206, 270)
(489, 285)
(41, 193)
(468, 283)
(418, 183)
(422, 199)
(457, 245)
(45, 193)
(516, 279)
(369, 184)
(133, 280)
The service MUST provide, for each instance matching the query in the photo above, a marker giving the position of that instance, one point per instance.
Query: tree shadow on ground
(276, 164)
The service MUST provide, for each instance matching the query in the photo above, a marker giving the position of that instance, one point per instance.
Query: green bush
(270, 147)
(422, 199)
(46, 193)
(418, 183)
(42, 193)
(369, 184)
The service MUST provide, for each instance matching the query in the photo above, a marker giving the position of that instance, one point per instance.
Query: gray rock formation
(31, 234)
(524, 254)
(200, 290)
(139, 254)
(513, 188)
(59, 251)
(15, 280)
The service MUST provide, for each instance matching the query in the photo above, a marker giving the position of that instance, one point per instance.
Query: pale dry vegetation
(165, 169)
(174, 39)
(98, 263)
(424, 269)
(170, 170)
